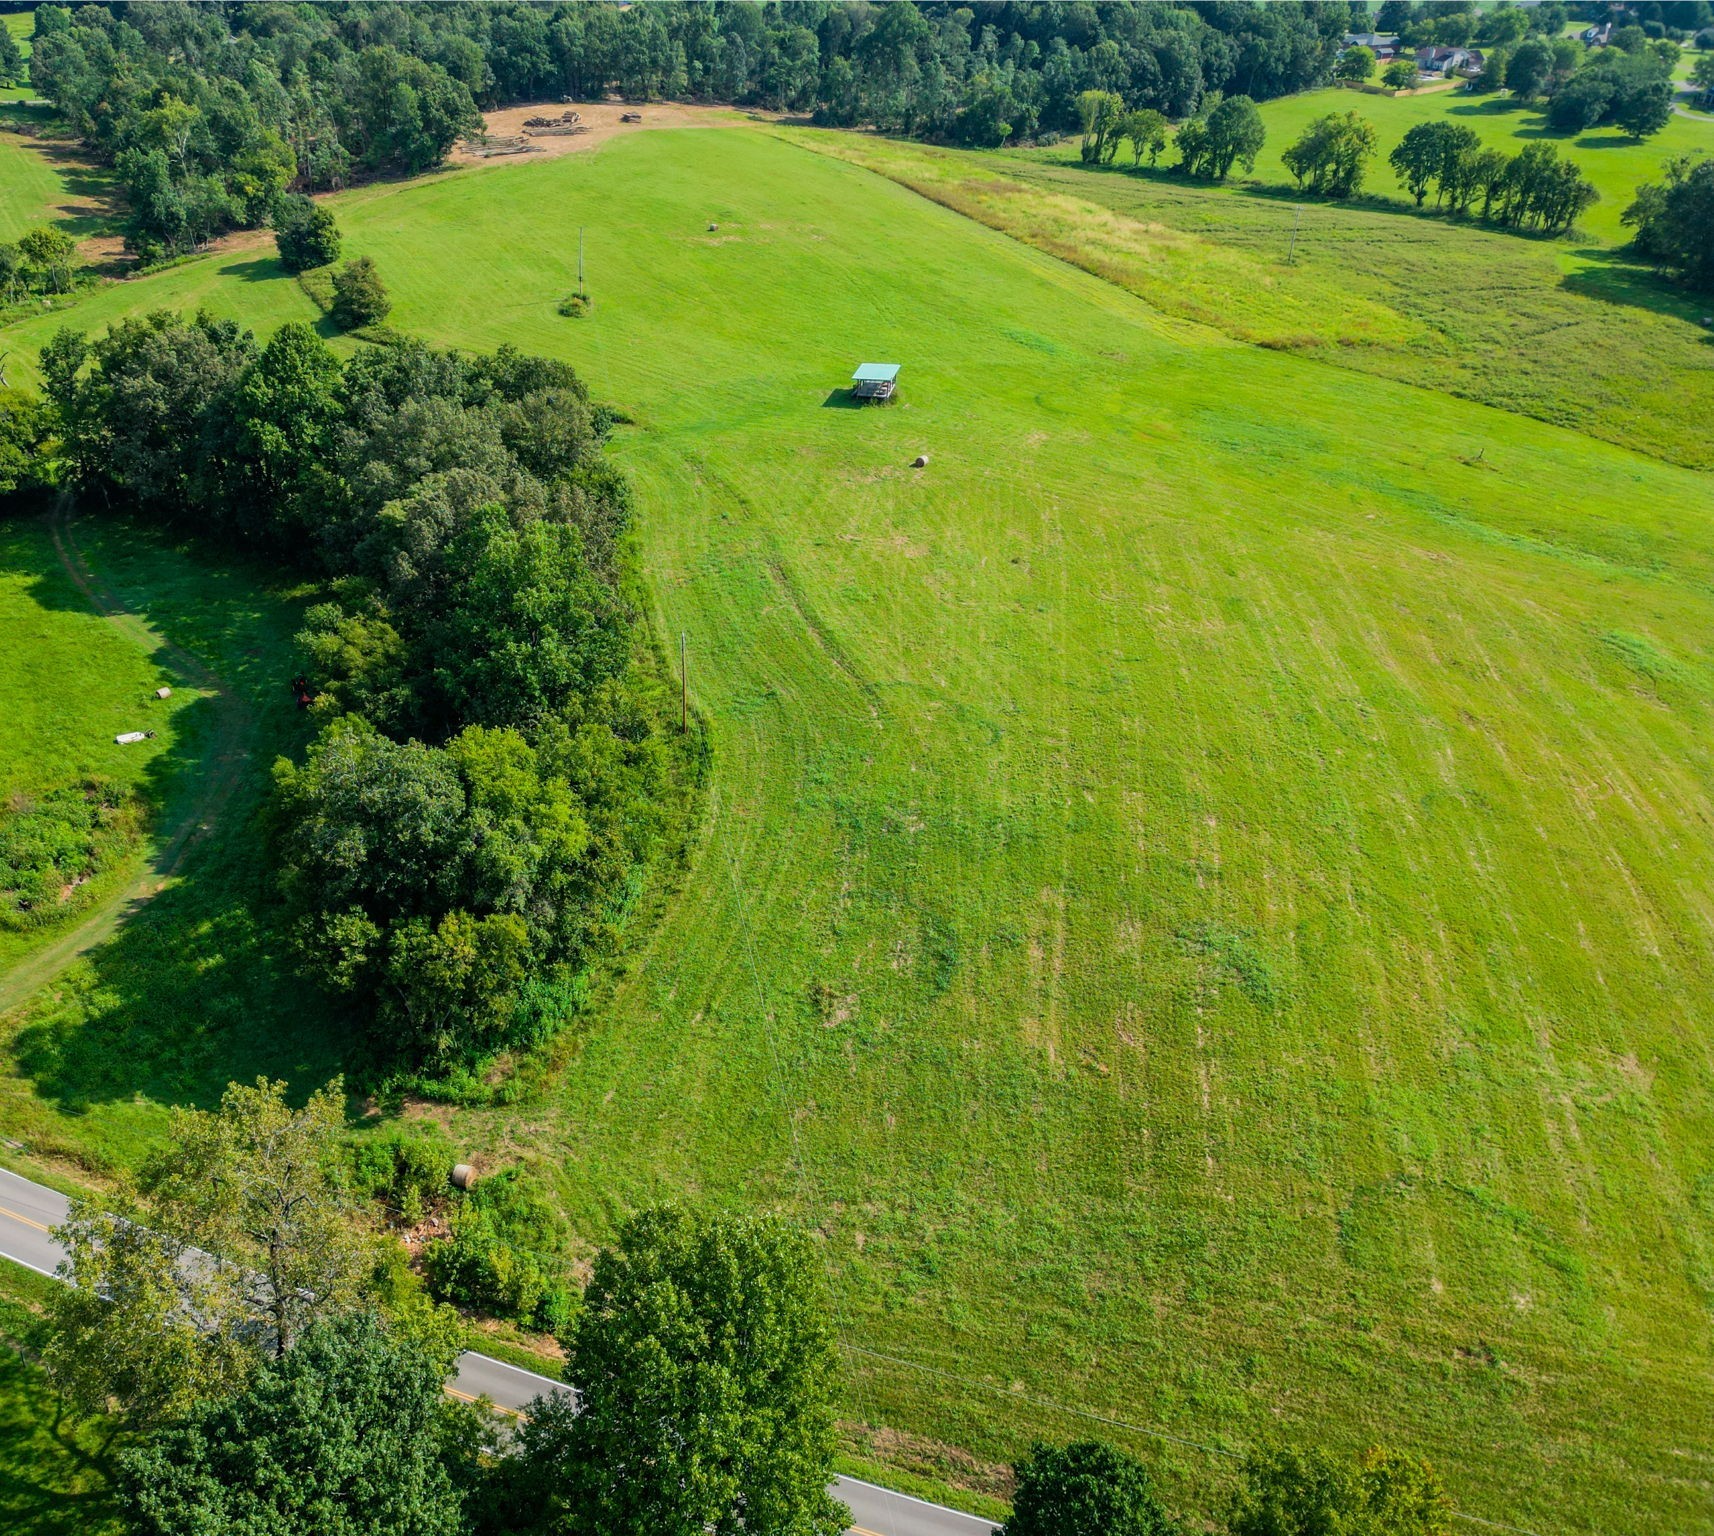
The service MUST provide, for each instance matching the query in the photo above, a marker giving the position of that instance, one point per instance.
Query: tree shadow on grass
(97, 206)
(53, 1477)
(192, 989)
(256, 269)
(1621, 277)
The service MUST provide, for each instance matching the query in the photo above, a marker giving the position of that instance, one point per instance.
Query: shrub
(1086, 1489)
(505, 1254)
(574, 305)
(1400, 75)
(406, 1166)
(51, 846)
(359, 296)
(1301, 1493)
(305, 234)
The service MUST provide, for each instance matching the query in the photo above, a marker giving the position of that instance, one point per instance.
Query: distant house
(1449, 61)
(1597, 35)
(1384, 45)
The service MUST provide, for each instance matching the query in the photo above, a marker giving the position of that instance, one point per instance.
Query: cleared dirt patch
(600, 118)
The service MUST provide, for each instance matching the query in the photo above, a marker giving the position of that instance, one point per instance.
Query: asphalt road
(28, 1210)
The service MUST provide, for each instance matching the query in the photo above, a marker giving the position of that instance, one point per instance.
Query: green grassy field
(22, 26)
(74, 683)
(1207, 917)
(1611, 350)
(1613, 161)
(38, 186)
(181, 990)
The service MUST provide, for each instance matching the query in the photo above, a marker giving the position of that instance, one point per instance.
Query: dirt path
(221, 770)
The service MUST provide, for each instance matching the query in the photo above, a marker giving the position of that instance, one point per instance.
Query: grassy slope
(1614, 351)
(30, 187)
(36, 186)
(1612, 160)
(1210, 920)
(188, 995)
(72, 685)
(250, 286)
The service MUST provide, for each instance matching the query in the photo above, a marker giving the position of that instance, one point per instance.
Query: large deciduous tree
(1086, 1489)
(1102, 115)
(1331, 155)
(1231, 134)
(305, 234)
(1674, 220)
(707, 1369)
(239, 1235)
(349, 1434)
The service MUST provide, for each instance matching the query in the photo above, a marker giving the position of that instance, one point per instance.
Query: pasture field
(1608, 349)
(48, 181)
(33, 188)
(22, 26)
(1613, 161)
(184, 995)
(72, 682)
(1204, 903)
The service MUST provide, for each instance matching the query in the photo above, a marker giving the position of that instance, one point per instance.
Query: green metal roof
(875, 373)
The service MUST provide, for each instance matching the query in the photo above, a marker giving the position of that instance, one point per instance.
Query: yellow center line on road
(25, 1219)
(470, 1397)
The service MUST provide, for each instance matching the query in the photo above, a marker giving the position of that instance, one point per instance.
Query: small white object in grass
(126, 738)
(920, 461)
(163, 693)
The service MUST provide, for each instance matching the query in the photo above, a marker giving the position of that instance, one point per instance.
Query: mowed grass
(22, 26)
(248, 286)
(1612, 160)
(41, 187)
(1612, 350)
(1206, 914)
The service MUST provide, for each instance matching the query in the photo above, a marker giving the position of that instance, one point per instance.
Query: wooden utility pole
(683, 688)
(580, 288)
(1291, 255)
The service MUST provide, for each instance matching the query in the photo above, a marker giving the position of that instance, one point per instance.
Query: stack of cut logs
(566, 122)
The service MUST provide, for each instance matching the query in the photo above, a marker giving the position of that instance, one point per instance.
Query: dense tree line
(1532, 189)
(454, 849)
(211, 112)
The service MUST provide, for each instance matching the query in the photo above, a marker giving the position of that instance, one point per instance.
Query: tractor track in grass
(221, 768)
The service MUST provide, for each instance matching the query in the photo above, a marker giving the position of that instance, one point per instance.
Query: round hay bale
(920, 461)
(463, 1176)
